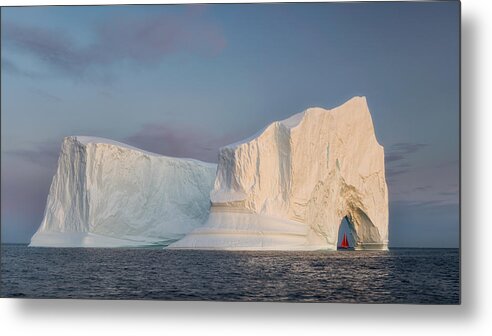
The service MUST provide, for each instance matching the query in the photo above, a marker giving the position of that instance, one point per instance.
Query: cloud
(9, 66)
(396, 158)
(449, 193)
(51, 46)
(400, 151)
(449, 164)
(422, 188)
(391, 172)
(428, 203)
(12, 68)
(140, 39)
(161, 138)
(180, 141)
(147, 39)
(45, 95)
(394, 168)
(24, 189)
(44, 154)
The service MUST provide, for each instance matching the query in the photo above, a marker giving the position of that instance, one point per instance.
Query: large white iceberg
(290, 186)
(108, 194)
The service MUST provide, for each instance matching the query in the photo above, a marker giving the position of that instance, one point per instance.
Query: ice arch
(289, 186)
(362, 232)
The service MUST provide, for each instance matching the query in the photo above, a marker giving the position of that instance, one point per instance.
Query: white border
(473, 317)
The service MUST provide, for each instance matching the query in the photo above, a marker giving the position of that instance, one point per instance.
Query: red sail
(345, 241)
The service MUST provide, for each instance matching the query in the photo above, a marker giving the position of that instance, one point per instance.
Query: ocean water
(419, 276)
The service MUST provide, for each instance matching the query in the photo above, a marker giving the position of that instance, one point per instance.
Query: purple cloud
(179, 141)
(148, 39)
(141, 39)
(25, 189)
(400, 151)
(44, 154)
(166, 139)
(397, 155)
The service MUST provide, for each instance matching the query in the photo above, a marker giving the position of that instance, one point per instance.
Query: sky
(184, 80)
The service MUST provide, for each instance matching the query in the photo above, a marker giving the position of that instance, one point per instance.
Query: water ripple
(424, 276)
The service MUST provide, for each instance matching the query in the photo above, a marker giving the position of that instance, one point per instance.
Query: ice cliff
(108, 194)
(290, 186)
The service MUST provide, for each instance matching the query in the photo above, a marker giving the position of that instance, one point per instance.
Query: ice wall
(290, 186)
(108, 194)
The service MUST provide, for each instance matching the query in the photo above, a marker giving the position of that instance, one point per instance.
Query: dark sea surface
(426, 276)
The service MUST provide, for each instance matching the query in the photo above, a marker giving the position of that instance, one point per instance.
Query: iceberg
(290, 186)
(108, 194)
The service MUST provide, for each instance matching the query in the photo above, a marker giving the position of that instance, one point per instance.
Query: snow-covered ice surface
(290, 186)
(108, 194)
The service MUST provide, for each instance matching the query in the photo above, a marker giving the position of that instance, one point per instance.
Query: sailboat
(345, 244)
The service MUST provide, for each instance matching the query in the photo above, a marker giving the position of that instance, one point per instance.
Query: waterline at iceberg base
(286, 188)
